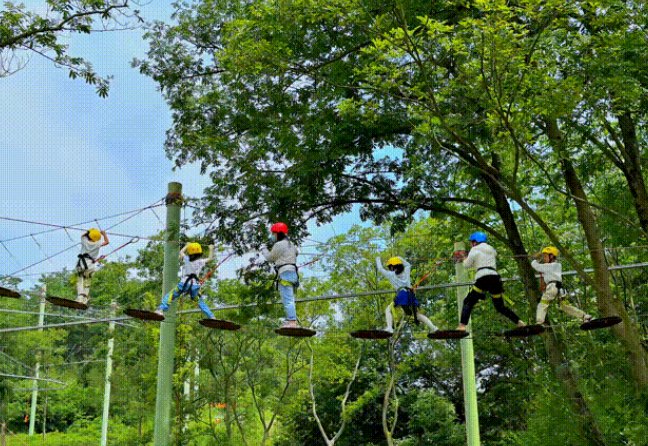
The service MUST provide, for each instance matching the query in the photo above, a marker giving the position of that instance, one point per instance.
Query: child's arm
(406, 266)
(105, 236)
(540, 267)
(379, 265)
(210, 257)
(183, 251)
(270, 256)
(469, 260)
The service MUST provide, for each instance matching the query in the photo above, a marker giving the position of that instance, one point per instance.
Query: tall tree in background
(290, 107)
(24, 33)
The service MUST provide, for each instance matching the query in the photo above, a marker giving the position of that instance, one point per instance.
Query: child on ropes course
(398, 274)
(482, 258)
(193, 263)
(91, 243)
(284, 257)
(551, 271)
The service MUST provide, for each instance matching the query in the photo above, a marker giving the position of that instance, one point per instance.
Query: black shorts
(491, 284)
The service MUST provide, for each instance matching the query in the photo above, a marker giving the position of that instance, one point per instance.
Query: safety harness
(278, 280)
(487, 267)
(410, 302)
(188, 283)
(82, 263)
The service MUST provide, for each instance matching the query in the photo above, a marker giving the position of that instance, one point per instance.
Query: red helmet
(279, 227)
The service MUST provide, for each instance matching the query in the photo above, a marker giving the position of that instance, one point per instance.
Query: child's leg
(574, 312)
(541, 311)
(549, 295)
(469, 302)
(389, 317)
(164, 306)
(83, 284)
(195, 293)
(423, 318)
(287, 292)
(80, 286)
(500, 306)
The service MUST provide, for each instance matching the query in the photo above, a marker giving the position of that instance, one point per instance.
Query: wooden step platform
(6, 292)
(143, 314)
(295, 332)
(68, 303)
(602, 322)
(448, 334)
(219, 324)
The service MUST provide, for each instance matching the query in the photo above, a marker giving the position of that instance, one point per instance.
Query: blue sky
(69, 156)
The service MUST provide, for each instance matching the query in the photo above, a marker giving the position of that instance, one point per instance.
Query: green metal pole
(467, 357)
(34, 400)
(163, 401)
(106, 405)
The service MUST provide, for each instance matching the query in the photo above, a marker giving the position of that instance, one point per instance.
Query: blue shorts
(406, 298)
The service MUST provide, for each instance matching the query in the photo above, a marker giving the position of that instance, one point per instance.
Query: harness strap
(82, 262)
(189, 281)
(285, 282)
(278, 267)
(503, 296)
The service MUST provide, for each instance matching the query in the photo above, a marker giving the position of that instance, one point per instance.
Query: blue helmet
(478, 237)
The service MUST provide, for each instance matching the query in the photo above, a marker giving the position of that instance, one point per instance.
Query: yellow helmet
(94, 235)
(394, 261)
(550, 250)
(194, 248)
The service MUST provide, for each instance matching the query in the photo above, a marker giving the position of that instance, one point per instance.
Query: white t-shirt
(550, 271)
(482, 256)
(91, 248)
(401, 280)
(283, 254)
(194, 267)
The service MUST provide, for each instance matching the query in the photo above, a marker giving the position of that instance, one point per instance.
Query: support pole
(467, 356)
(163, 401)
(109, 355)
(34, 399)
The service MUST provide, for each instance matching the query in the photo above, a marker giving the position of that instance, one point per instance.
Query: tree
(24, 32)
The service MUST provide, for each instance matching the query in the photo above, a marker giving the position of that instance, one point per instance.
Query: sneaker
(159, 312)
(587, 318)
(83, 299)
(290, 324)
(389, 330)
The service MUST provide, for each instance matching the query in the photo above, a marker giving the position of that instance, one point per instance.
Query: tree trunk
(555, 349)
(607, 303)
(632, 168)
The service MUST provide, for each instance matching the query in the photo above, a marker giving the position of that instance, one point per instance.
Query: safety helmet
(394, 261)
(550, 250)
(94, 234)
(478, 237)
(194, 248)
(279, 227)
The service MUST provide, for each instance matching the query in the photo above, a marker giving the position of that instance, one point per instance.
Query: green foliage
(23, 31)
